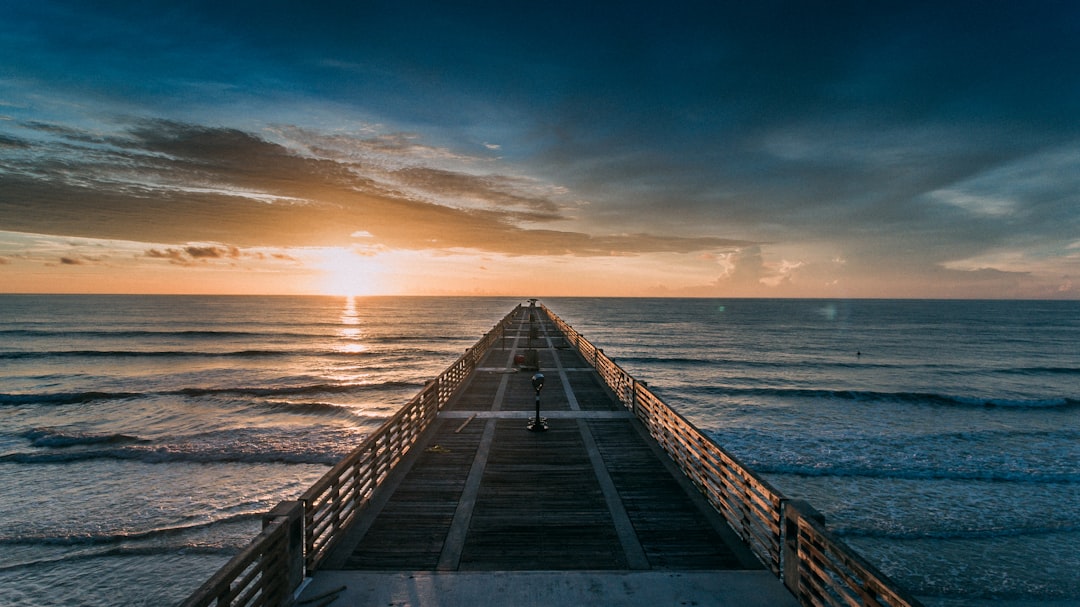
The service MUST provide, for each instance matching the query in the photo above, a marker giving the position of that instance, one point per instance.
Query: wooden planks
(410, 530)
(539, 505)
(479, 393)
(670, 527)
(589, 494)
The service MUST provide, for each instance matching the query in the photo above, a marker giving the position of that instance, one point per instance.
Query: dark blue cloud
(633, 69)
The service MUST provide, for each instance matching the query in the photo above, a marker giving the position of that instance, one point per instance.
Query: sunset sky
(721, 149)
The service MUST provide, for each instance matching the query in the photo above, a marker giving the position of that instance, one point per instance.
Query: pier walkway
(454, 502)
(483, 511)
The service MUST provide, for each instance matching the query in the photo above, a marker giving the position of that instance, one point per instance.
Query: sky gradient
(720, 149)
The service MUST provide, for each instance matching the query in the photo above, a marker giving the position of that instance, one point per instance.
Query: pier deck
(483, 511)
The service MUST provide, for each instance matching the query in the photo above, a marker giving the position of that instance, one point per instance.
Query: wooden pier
(619, 502)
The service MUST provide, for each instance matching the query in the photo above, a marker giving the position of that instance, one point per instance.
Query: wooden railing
(750, 504)
(333, 502)
(298, 535)
(787, 536)
(265, 572)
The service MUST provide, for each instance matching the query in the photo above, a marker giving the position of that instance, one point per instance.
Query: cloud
(980, 205)
(191, 254)
(368, 147)
(1038, 189)
(171, 182)
(746, 270)
(744, 267)
(460, 189)
(81, 260)
(212, 252)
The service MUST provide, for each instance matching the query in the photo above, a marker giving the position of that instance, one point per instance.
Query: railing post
(291, 513)
(792, 511)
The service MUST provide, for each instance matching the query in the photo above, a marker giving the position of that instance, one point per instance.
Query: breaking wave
(954, 534)
(870, 471)
(48, 437)
(921, 398)
(183, 454)
(90, 538)
(74, 398)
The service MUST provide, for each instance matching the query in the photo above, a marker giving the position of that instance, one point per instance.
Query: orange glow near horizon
(347, 273)
(53, 264)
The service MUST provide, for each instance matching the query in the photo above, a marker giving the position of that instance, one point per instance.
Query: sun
(344, 272)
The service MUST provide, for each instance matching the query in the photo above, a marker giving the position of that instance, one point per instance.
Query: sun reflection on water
(349, 316)
(350, 332)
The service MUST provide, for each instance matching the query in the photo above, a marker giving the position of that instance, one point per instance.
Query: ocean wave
(156, 354)
(308, 389)
(50, 437)
(245, 444)
(75, 398)
(665, 360)
(1042, 370)
(153, 543)
(87, 553)
(330, 351)
(303, 408)
(176, 454)
(420, 338)
(920, 474)
(953, 534)
(1011, 403)
(732, 363)
(924, 398)
(115, 537)
(65, 398)
(142, 333)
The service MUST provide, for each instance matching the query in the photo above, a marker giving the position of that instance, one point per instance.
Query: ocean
(141, 437)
